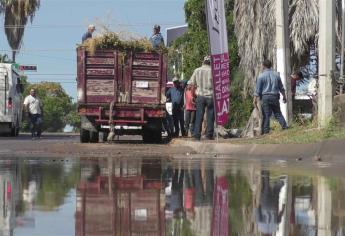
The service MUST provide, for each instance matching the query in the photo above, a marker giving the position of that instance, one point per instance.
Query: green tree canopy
(56, 105)
(194, 46)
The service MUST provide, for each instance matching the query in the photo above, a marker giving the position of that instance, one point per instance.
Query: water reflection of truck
(120, 202)
(10, 99)
(121, 88)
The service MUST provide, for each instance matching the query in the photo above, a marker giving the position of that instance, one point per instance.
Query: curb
(330, 150)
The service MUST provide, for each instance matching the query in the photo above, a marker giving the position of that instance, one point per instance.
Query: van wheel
(17, 128)
(13, 132)
(84, 136)
(94, 137)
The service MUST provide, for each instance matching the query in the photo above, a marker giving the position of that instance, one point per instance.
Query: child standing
(190, 108)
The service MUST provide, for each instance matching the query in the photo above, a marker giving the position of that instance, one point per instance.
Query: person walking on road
(88, 34)
(202, 81)
(156, 39)
(34, 110)
(268, 87)
(176, 96)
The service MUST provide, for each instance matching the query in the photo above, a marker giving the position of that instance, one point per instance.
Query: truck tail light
(9, 103)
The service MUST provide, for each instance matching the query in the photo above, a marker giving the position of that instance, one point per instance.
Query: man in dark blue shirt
(89, 32)
(268, 87)
(175, 95)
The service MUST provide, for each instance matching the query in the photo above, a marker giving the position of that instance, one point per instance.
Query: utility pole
(326, 60)
(283, 55)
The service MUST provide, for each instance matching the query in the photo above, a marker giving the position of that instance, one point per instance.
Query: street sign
(28, 67)
(175, 32)
(218, 43)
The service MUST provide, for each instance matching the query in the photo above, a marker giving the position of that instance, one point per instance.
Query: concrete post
(342, 45)
(283, 55)
(326, 60)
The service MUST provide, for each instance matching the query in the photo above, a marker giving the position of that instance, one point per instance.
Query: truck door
(146, 76)
(98, 75)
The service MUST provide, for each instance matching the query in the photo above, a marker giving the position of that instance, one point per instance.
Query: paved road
(67, 145)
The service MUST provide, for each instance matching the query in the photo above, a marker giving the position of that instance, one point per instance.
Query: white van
(11, 100)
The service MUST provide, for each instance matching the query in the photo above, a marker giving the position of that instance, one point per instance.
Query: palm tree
(17, 13)
(255, 29)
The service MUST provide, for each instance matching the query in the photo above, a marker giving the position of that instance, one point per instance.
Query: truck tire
(94, 137)
(105, 136)
(84, 136)
(152, 132)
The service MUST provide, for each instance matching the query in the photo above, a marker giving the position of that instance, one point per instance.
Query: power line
(50, 74)
(39, 50)
(49, 57)
(83, 26)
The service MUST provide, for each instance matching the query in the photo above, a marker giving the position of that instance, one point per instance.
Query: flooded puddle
(161, 197)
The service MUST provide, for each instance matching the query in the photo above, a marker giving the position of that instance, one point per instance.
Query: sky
(50, 41)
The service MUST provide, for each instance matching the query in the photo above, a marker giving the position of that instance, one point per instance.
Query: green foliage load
(112, 40)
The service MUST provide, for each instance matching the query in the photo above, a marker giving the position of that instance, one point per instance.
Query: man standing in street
(34, 110)
(156, 39)
(88, 34)
(268, 87)
(202, 81)
(175, 95)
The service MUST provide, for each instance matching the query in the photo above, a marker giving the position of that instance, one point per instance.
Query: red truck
(121, 90)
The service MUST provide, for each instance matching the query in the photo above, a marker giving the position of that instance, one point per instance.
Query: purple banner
(221, 83)
(220, 216)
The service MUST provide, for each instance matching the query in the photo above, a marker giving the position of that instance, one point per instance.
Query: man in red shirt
(295, 77)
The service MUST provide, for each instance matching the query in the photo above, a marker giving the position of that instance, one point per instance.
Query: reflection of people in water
(268, 216)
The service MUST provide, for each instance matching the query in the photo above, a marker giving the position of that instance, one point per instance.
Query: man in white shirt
(34, 109)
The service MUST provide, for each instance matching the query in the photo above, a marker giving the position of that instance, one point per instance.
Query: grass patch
(308, 133)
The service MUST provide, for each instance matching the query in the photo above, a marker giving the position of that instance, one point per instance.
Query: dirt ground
(68, 145)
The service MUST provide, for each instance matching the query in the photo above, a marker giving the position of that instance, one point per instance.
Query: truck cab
(10, 100)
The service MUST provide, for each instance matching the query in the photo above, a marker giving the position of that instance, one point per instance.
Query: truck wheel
(158, 136)
(105, 136)
(152, 132)
(94, 137)
(147, 136)
(84, 136)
